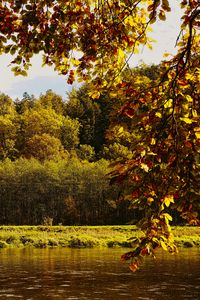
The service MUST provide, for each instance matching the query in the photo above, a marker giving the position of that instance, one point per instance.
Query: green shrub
(25, 240)
(188, 244)
(40, 244)
(111, 244)
(125, 244)
(3, 244)
(52, 243)
(81, 243)
(11, 239)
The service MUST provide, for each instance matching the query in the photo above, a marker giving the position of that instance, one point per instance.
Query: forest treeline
(56, 155)
(52, 168)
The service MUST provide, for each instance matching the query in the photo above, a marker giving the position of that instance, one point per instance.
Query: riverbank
(85, 236)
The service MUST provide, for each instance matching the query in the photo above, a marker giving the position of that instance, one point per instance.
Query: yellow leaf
(151, 153)
(189, 76)
(197, 132)
(149, 46)
(121, 56)
(155, 240)
(136, 50)
(153, 141)
(149, 29)
(166, 55)
(121, 129)
(130, 20)
(94, 95)
(194, 113)
(163, 245)
(189, 98)
(168, 104)
(113, 94)
(159, 115)
(186, 120)
(17, 22)
(168, 199)
(167, 216)
(153, 193)
(75, 62)
(143, 153)
(74, 26)
(150, 200)
(145, 167)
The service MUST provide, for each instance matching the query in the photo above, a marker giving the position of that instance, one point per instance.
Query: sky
(40, 79)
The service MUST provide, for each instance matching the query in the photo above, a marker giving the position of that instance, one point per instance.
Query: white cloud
(38, 85)
(38, 81)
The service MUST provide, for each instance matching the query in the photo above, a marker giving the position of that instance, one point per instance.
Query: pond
(92, 274)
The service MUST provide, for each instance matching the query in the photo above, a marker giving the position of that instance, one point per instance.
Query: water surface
(40, 274)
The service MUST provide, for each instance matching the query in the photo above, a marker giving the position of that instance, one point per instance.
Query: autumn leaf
(188, 98)
(168, 104)
(186, 120)
(168, 199)
(94, 94)
(163, 245)
(167, 216)
(158, 114)
(150, 200)
(134, 267)
(121, 56)
(197, 132)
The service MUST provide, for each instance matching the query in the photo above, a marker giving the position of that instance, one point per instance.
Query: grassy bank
(85, 236)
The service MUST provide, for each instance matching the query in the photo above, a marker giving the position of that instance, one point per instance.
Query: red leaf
(129, 113)
(135, 194)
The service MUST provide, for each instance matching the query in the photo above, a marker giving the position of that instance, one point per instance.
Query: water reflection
(96, 274)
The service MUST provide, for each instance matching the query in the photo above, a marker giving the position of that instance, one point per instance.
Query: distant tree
(42, 120)
(86, 152)
(52, 101)
(26, 103)
(116, 152)
(6, 105)
(92, 116)
(8, 127)
(87, 184)
(44, 147)
(69, 134)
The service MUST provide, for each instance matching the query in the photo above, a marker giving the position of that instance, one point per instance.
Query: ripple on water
(65, 285)
(76, 276)
(35, 287)
(9, 290)
(10, 296)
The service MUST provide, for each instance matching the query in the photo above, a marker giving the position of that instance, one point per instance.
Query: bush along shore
(86, 236)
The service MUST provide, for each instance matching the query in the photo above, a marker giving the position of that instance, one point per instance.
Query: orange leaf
(134, 266)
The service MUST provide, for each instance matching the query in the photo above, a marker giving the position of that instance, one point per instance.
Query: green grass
(85, 236)
(187, 236)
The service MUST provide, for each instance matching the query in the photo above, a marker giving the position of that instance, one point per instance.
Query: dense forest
(56, 155)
